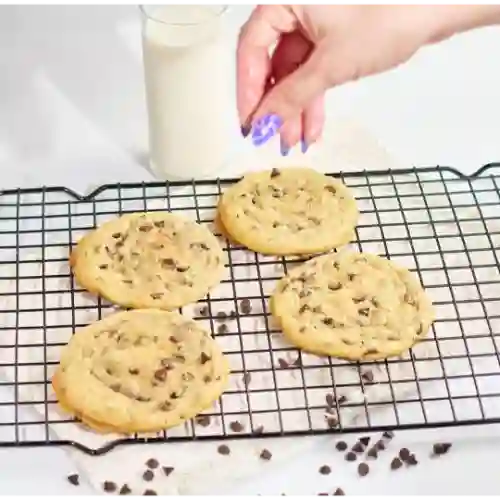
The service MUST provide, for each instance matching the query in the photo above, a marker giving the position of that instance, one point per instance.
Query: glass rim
(217, 14)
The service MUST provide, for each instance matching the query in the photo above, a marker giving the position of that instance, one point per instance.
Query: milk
(188, 74)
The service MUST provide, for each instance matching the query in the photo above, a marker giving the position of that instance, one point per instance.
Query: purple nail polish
(265, 128)
(284, 149)
(245, 130)
(304, 146)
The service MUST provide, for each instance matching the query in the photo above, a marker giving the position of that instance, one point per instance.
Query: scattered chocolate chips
(203, 311)
(133, 371)
(341, 400)
(222, 328)
(388, 434)
(265, 454)
(161, 374)
(341, 445)
(325, 470)
(148, 475)
(339, 491)
(372, 452)
(363, 469)
(116, 235)
(159, 223)
(156, 296)
(145, 228)
(365, 441)
(203, 420)
(367, 376)
(330, 189)
(247, 378)
(275, 173)
(380, 445)
(245, 306)
(259, 430)
(358, 447)
(396, 463)
(103, 266)
(152, 463)
(236, 426)
(150, 495)
(167, 470)
(404, 454)
(109, 486)
(125, 490)
(350, 456)
(204, 358)
(412, 460)
(223, 449)
(283, 363)
(221, 315)
(74, 479)
(441, 448)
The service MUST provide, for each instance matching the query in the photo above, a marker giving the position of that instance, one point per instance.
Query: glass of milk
(189, 78)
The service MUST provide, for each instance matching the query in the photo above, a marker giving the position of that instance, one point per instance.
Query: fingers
(262, 30)
(313, 122)
(291, 96)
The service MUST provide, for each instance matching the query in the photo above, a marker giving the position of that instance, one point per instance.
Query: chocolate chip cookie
(352, 305)
(140, 371)
(293, 211)
(149, 260)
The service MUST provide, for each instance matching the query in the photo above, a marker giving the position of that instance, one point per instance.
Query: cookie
(352, 305)
(140, 371)
(149, 260)
(293, 211)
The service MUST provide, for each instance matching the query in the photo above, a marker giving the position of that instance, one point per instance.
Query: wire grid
(434, 221)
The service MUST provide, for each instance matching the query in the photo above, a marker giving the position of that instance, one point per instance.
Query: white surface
(72, 113)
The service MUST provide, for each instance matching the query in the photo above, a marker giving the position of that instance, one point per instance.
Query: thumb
(292, 95)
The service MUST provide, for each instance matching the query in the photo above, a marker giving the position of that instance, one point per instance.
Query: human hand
(318, 47)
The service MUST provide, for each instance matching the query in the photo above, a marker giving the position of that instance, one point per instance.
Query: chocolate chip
(330, 189)
(145, 228)
(328, 321)
(181, 269)
(152, 463)
(148, 475)
(339, 491)
(127, 282)
(363, 469)
(304, 308)
(396, 463)
(223, 449)
(259, 430)
(330, 400)
(341, 400)
(116, 235)
(334, 287)
(236, 426)
(222, 328)
(245, 306)
(109, 486)
(350, 456)
(372, 452)
(298, 361)
(364, 312)
(221, 315)
(388, 434)
(125, 490)
(265, 454)
(325, 470)
(275, 173)
(204, 358)
(247, 378)
(412, 460)
(365, 441)
(167, 470)
(207, 379)
(203, 420)
(441, 448)
(167, 262)
(404, 454)
(358, 447)
(341, 445)
(380, 445)
(351, 277)
(159, 223)
(283, 363)
(232, 314)
(200, 245)
(103, 266)
(173, 339)
(133, 371)
(74, 479)
(161, 374)
(150, 495)
(204, 311)
(156, 296)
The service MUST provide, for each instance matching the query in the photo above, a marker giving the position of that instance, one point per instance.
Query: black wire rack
(438, 223)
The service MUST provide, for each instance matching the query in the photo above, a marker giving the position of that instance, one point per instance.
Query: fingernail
(284, 148)
(265, 128)
(304, 146)
(245, 130)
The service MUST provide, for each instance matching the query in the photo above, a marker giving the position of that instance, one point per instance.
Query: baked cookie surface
(353, 306)
(149, 260)
(291, 211)
(140, 371)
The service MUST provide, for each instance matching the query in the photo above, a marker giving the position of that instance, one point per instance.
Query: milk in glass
(188, 89)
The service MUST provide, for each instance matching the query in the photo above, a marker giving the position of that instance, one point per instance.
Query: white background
(72, 113)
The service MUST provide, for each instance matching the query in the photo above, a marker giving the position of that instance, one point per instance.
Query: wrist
(444, 21)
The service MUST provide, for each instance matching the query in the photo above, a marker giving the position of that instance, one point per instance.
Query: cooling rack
(440, 224)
